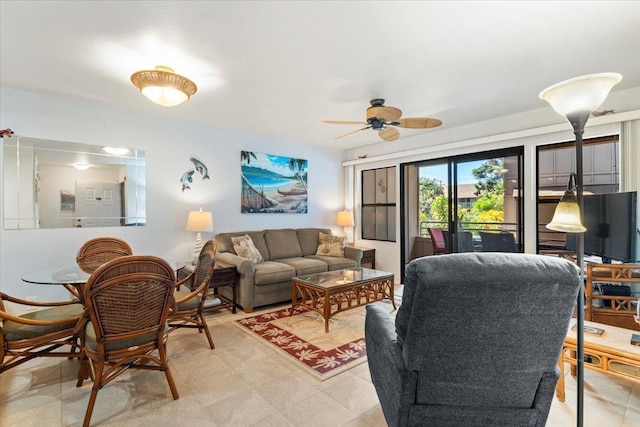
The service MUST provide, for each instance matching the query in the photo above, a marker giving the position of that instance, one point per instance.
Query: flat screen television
(612, 232)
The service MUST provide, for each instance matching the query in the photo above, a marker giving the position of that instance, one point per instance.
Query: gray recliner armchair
(475, 342)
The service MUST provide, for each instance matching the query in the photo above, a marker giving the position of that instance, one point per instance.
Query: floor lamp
(576, 99)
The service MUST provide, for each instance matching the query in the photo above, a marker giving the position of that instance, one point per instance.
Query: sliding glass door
(473, 200)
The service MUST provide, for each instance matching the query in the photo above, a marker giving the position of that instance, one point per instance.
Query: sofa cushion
(244, 247)
(273, 272)
(335, 263)
(226, 245)
(282, 243)
(329, 245)
(305, 266)
(308, 238)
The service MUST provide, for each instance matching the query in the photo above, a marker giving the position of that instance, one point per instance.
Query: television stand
(620, 310)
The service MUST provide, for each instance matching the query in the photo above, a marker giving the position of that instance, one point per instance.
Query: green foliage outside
(487, 208)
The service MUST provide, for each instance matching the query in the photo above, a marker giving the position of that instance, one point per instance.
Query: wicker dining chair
(38, 333)
(95, 252)
(189, 310)
(128, 301)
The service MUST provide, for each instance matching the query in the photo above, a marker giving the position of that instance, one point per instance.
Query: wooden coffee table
(610, 353)
(332, 292)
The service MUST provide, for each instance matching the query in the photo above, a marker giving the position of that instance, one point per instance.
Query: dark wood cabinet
(223, 275)
(368, 258)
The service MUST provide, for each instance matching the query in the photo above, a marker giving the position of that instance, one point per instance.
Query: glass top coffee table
(332, 292)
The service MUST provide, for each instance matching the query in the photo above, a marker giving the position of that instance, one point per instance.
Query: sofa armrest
(243, 265)
(353, 253)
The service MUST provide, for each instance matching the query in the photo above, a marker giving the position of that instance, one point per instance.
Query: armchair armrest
(25, 321)
(194, 292)
(386, 364)
(5, 297)
(380, 333)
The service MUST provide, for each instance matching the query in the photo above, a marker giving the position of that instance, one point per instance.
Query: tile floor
(244, 383)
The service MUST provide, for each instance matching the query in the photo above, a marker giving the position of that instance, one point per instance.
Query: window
(601, 175)
(379, 204)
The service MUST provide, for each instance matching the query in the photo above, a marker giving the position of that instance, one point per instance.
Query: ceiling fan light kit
(384, 120)
(163, 86)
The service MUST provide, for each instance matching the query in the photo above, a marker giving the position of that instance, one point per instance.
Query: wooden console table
(610, 353)
(620, 311)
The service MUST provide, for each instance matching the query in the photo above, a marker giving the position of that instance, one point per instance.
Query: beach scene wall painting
(273, 184)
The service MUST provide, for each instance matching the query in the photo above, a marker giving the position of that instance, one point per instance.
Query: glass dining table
(70, 276)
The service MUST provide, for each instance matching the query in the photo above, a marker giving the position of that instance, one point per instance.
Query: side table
(223, 275)
(368, 258)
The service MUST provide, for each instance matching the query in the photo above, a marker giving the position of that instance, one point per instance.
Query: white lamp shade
(345, 219)
(164, 95)
(200, 222)
(585, 93)
(566, 218)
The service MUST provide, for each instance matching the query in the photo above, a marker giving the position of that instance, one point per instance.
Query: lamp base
(197, 249)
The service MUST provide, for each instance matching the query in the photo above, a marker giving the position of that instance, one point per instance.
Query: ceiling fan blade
(388, 114)
(342, 122)
(389, 134)
(419, 123)
(352, 132)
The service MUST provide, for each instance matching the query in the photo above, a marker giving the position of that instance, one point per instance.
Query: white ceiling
(279, 68)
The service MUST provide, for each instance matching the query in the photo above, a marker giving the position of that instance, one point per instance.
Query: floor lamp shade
(200, 222)
(585, 93)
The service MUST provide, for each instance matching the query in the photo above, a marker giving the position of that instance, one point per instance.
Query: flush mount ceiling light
(81, 166)
(163, 86)
(116, 151)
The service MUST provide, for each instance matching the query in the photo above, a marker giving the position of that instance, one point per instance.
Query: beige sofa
(287, 253)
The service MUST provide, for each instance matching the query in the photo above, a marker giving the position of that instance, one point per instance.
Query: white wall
(168, 145)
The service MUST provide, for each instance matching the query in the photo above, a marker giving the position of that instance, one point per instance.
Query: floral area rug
(301, 337)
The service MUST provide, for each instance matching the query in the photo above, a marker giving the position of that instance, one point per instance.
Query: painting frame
(273, 184)
(67, 201)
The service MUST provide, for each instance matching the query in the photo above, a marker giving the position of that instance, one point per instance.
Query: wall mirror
(56, 184)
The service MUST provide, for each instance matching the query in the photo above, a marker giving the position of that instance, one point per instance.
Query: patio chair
(95, 252)
(498, 242)
(38, 333)
(437, 240)
(475, 342)
(128, 301)
(189, 310)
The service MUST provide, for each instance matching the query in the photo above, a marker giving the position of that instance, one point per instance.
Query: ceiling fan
(384, 119)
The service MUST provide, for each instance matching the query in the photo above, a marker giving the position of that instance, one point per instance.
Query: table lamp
(576, 99)
(200, 222)
(345, 219)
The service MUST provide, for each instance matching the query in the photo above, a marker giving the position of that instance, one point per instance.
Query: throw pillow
(330, 245)
(245, 248)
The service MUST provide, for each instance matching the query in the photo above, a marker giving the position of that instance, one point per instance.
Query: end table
(223, 275)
